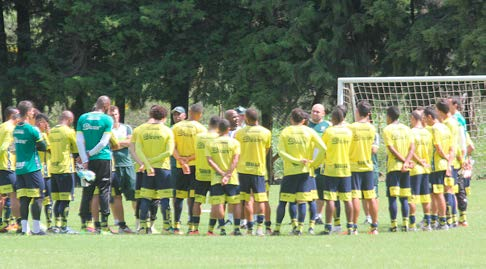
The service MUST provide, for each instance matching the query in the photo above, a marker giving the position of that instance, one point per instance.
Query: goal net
(409, 93)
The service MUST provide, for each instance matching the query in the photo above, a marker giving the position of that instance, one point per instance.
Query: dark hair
(41, 116)
(298, 115)
(251, 115)
(455, 100)
(344, 109)
(24, 107)
(113, 108)
(11, 110)
(364, 108)
(393, 113)
(223, 126)
(337, 115)
(430, 111)
(417, 115)
(158, 112)
(443, 105)
(214, 122)
(196, 108)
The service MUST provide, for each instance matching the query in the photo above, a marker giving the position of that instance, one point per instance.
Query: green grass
(461, 247)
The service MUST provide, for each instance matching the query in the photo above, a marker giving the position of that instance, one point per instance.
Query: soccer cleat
(319, 221)
(41, 232)
(167, 231)
(142, 231)
(12, 227)
(3, 228)
(325, 232)
(443, 227)
(350, 232)
(404, 229)
(336, 229)
(463, 223)
(268, 231)
(373, 231)
(298, 233)
(178, 231)
(311, 231)
(275, 233)
(211, 234)
(259, 232)
(454, 225)
(195, 232)
(412, 229)
(125, 230)
(427, 228)
(222, 232)
(393, 229)
(67, 230)
(236, 233)
(54, 230)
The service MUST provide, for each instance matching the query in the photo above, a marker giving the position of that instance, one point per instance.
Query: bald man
(93, 137)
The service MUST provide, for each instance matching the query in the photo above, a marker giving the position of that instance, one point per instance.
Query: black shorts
(102, 170)
(123, 182)
(138, 184)
(225, 193)
(363, 185)
(420, 188)
(437, 182)
(337, 187)
(7, 181)
(30, 185)
(201, 189)
(296, 188)
(320, 185)
(156, 187)
(62, 187)
(185, 183)
(252, 184)
(398, 184)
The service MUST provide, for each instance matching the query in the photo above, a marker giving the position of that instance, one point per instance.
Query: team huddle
(155, 166)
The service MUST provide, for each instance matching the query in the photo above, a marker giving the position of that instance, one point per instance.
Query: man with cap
(241, 116)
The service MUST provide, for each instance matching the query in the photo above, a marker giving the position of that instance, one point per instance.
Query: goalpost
(408, 93)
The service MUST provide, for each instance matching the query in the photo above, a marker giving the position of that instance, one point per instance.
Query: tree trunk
(267, 122)
(180, 99)
(5, 90)
(120, 102)
(24, 42)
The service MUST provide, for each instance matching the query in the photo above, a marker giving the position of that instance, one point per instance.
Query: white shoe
(336, 229)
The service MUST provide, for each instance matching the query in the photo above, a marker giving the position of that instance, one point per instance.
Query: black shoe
(319, 221)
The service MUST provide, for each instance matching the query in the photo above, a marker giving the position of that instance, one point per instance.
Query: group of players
(156, 166)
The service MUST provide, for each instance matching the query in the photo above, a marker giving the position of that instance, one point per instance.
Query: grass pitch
(460, 247)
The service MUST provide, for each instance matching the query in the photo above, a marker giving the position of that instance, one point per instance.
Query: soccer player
(204, 172)
(400, 148)
(233, 118)
(337, 171)
(30, 184)
(255, 142)
(442, 140)
(63, 149)
(241, 116)
(42, 122)
(92, 138)
(319, 125)
(222, 154)
(154, 145)
(296, 147)
(185, 153)
(465, 182)
(421, 168)
(7, 167)
(455, 156)
(124, 175)
(362, 176)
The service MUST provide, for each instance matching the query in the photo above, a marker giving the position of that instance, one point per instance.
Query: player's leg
(462, 200)
(116, 203)
(415, 181)
(405, 193)
(36, 187)
(369, 198)
(392, 192)
(217, 199)
(147, 193)
(181, 193)
(425, 199)
(128, 185)
(246, 197)
(320, 194)
(164, 192)
(356, 194)
(312, 205)
(330, 196)
(103, 181)
(47, 203)
(344, 194)
(260, 199)
(268, 211)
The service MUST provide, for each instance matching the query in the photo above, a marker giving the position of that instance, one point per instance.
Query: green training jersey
(25, 138)
(122, 156)
(93, 125)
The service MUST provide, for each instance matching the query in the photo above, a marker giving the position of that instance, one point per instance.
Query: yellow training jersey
(441, 136)
(399, 137)
(185, 135)
(454, 126)
(133, 140)
(360, 149)
(338, 140)
(254, 143)
(62, 141)
(154, 145)
(222, 149)
(297, 142)
(204, 172)
(44, 157)
(7, 148)
(423, 143)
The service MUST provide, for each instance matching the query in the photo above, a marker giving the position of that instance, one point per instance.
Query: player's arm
(376, 144)
(143, 159)
(321, 147)
(411, 151)
(234, 163)
(395, 153)
(6, 142)
(215, 166)
(81, 147)
(169, 149)
(105, 139)
(40, 142)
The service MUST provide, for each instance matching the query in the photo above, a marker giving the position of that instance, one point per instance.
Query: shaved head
(103, 103)
(317, 114)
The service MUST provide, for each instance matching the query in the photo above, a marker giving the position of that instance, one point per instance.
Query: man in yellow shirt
(362, 177)
(7, 167)
(185, 153)
(421, 167)
(222, 154)
(442, 140)
(255, 142)
(400, 148)
(296, 147)
(154, 145)
(204, 172)
(62, 138)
